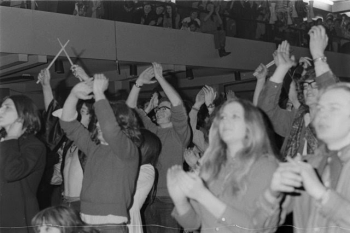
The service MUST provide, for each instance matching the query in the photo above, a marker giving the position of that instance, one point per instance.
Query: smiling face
(147, 9)
(310, 91)
(232, 127)
(332, 120)
(163, 112)
(8, 114)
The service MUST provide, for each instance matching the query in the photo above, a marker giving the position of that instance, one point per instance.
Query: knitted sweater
(111, 171)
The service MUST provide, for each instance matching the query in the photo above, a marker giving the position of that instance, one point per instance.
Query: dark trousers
(219, 38)
(158, 217)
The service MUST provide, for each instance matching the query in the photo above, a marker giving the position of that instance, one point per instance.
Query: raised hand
(305, 62)
(230, 95)
(318, 41)
(282, 57)
(79, 73)
(146, 76)
(100, 84)
(200, 98)
(173, 184)
(44, 77)
(286, 179)
(158, 70)
(312, 184)
(191, 157)
(261, 72)
(83, 90)
(209, 95)
(191, 185)
(153, 103)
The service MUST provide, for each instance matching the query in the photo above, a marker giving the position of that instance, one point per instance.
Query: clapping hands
(282, 56)
(318, 41)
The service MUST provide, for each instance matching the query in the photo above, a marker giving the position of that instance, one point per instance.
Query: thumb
(298, 157)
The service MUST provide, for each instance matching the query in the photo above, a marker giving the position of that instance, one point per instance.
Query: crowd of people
(106, 165)
(266, 20)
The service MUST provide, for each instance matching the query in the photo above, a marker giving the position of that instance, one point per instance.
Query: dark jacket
(22, 163)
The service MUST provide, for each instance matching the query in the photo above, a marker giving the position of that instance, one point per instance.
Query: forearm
(214, 205)
(182, 206)
(133, 96)
(69, 108)
(170, 92)
(258, 88)
(207, 16)
(219, 18)
(279, 74)
(321, 67)
(48, 96)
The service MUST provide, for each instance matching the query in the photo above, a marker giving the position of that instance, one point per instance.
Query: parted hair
(256, 143)
(28, 112)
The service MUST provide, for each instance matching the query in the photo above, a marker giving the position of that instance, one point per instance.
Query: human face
(310, 91)
(210, 7)
(194, 15)
(8, 114)
(159, 10)
(168, 9)
(100, 134)
(48, 229)
(193, 28)
(232, 126)
(147, 9)
(332, 120)
(163, 112)
(85, 116)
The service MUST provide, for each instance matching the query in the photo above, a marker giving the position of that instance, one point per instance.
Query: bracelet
(137, 85)
(196, 109)
(323, 58)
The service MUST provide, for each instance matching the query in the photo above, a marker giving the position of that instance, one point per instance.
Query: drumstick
(59, 52)
(65, 52)
(267, 66)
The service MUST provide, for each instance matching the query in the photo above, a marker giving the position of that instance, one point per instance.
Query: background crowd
(266, 20)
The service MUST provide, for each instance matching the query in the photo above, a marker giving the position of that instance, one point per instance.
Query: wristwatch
(323, 58)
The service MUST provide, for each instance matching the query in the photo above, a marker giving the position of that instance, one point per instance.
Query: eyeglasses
(161, 108)
(312, 84)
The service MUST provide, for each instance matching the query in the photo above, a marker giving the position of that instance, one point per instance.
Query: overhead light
(329, 2)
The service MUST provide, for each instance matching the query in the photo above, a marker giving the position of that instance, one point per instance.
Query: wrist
(317, 55)
(318, 196)
(99, 96)
(197, 105)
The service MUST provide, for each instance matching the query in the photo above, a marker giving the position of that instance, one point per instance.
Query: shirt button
(223, 219)
(329, 159)
(217, 229)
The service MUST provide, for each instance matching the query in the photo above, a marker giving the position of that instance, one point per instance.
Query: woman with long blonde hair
(231, 193)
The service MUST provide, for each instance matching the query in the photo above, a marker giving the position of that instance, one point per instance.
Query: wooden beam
(33, 60)
(9, 60)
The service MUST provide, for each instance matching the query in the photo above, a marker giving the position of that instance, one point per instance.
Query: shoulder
(31, 140)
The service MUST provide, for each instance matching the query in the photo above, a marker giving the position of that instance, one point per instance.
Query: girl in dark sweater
(22, 163)
(112, 165)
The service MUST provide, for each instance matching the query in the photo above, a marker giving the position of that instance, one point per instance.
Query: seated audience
(22, 163)
(231, 191)
(171, 17)
(188, 20)
(159, 17)
(147, 16)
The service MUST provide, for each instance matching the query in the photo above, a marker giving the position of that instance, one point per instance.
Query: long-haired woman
(231, 193)
(22, 163)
